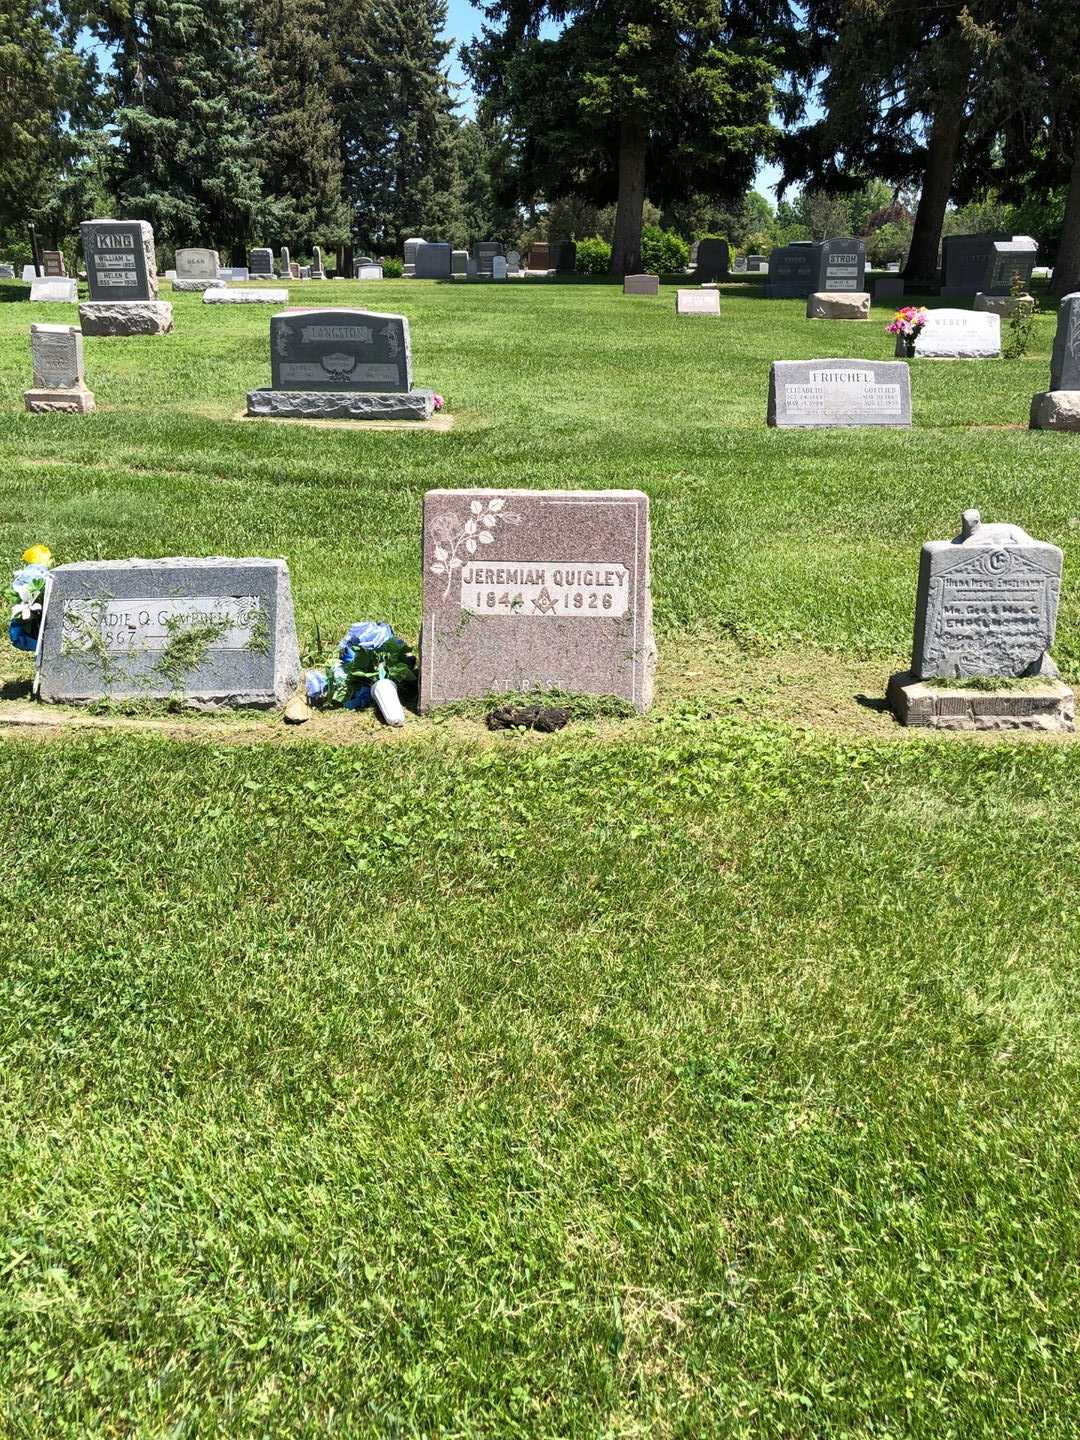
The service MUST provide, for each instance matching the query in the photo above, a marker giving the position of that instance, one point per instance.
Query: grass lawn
(713, 1073)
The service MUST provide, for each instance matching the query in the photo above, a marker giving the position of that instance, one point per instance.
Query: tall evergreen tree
(47, 93)
(396, 112)
(300, 149)
(184, 85)
(671, 96)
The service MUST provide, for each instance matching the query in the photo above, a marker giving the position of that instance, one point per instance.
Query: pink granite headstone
(536, 589)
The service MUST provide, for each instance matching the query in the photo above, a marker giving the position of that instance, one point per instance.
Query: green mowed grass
(692, 1076)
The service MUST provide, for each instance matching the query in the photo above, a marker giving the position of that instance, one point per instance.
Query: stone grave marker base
(125, 317)
(222, 295)
(341, 404)
(194, 286)
(72, 402)
(838, 305)
(1056, 410)
(1045, 705)
(1003, 305)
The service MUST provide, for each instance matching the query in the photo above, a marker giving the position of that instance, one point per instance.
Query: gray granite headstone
(53, 262)
(317, 271)
(484, 253)
(411, 246)
(432, 260)
(7, 272)
(1065, 360)
(513, 261)
(459, 262)
(844, 392)
(713, 260)
(567, 261)
(987, 603)
(196, 264)
(755, 264)
(210, 632)
(536, 589)
(285, 263)
(498, 267)
(986, 263)
(370, 271)
(340, 350)
(641, 285)
(261, 263)
(120, 261)
(806, 268)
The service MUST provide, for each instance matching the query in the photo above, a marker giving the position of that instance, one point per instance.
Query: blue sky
(463, 22)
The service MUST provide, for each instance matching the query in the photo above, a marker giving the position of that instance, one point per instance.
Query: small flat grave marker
(642, 285)
(958, 335)
(697, 302)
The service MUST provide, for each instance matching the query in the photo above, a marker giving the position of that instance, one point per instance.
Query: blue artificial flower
(21, 637)
(369, 635)
(347, 652)
(360, 698)
(315, 686)
(30, 574)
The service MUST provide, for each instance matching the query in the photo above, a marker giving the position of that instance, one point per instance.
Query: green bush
(393, 269)
(593, 256)
(663, 251)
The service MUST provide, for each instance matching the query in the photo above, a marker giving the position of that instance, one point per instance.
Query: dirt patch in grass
(696, 676)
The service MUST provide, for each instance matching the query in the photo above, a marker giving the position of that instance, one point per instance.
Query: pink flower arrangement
(908, 321)
(439, 403)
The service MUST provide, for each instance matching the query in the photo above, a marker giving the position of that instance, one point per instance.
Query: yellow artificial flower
(37, 555)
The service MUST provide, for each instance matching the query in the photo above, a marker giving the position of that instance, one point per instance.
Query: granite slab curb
(42, 402)
(1056, 410)
(1049, 706)
(223, 295)
(341, 404)
(1001, 304)
(125, 317)
(193, 286)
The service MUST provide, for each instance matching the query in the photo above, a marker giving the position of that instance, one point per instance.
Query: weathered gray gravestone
(713, 260)
(262, 295)
(210, 632)
(957, 335)
(986, 607)
(1059, 407)
(53, 262)
(528, 589)
(987, 263)
(839, 392)
(59, 381)
(370, 271)
(498, 267)
(317, 271)
(121, 272)
(641, 285)
(196, 269)
(341, 364)
(513, 261)
(987, 603)
(459, 262)
(261, 263)
(285, 263)
(432, 261)
(7, 272)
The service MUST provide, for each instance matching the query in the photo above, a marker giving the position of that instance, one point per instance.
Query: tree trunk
(945, 135)
(626, 252)
(1067, 265)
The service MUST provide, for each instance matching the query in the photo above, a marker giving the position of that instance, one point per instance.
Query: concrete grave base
(125, 317)
(1001, 304)
(194, 286)
(73, 402)
(1056, 410)
(440, 423)
(1042, 704)
(222, 295)
(838, 305)
(341, 404)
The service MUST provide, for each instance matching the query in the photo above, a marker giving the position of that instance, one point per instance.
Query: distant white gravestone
(697, 302)
(957, 335)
